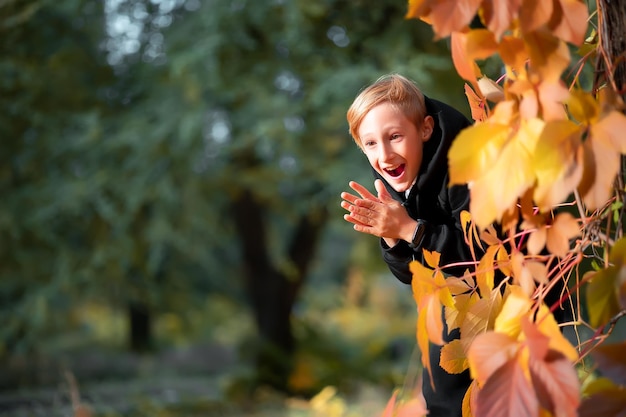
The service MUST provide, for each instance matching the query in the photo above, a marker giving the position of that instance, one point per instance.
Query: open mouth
(396, 172)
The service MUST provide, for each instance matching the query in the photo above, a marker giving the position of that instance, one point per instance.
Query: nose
(385, 152)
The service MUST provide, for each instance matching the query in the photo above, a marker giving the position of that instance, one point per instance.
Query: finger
(383, 194)
(363, 192)
(349, 197)
(350, 218)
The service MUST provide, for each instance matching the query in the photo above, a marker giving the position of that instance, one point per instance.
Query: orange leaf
(569, 21)
(558, 342)
(489, 352)
(534, 14)
(418, 8)
(498, 14)
(485, 271)
(601, 159)
(465, 66)
(391, 405)
(449, 16)
(434, 322)
(469, 399)
(522, 275)
(549, 56)
(480, 44)
(513, 53)
(507, 393)
(477, 104)
(564, 228)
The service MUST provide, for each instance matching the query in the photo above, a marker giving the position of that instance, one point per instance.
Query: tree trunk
(140, 327)
(271, 291)
(611, 64)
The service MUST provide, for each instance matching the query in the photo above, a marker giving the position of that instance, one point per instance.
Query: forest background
(170, 180)
(171, 232)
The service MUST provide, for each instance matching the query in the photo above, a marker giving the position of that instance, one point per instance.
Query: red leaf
(611, 361)
(607, 403)
(556, 384)
(507, 393)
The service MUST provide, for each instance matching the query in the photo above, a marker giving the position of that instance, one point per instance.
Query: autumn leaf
(515, 306)
(478, 105)
(499, 14)
(453, 358)
(413, 407)
(488, 352)
(534, 14)
(507, 393)
(602, 155)
(611, 361)
(485, 271)
(549, 56)
(564, 228)
(490, 89)
(557, 163)
(569, 21)
(556, 384)
(480, 315)
(513, 52)
(465, 66)
(447, 16)
(608, 402)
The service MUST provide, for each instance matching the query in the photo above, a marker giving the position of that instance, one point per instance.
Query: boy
(406, 137)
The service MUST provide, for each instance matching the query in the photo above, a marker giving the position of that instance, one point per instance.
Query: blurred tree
(155, 149)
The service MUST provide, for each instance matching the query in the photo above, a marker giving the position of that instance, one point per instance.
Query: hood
(434, 169)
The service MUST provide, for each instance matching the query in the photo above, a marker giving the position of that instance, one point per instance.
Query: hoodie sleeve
(444, 236)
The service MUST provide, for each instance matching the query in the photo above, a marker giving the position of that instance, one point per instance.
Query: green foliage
(122, 150)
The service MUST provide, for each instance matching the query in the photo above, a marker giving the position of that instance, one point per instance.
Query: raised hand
(380, 215)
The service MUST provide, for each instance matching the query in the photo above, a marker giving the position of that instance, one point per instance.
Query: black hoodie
(432, 201)
(439, 206)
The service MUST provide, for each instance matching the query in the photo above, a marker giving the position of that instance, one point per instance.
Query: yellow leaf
(423, 343)
(469, 399)
(516, 305)
(485, 271)
(432, 258)
(434, 322)
(550, 328)
(583, 107)
(453, 358)
(418, 8)
(475, 150)
(557, 163)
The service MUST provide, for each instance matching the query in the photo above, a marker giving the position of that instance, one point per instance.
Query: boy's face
(393, 144)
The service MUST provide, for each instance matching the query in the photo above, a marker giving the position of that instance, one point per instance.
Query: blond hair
(395, 89)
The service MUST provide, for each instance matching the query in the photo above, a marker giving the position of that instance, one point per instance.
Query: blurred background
(171, 236)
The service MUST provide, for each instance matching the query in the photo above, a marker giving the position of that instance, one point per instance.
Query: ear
(427, 127)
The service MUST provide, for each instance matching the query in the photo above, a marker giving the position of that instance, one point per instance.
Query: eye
(395, 136)
(369, 143)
